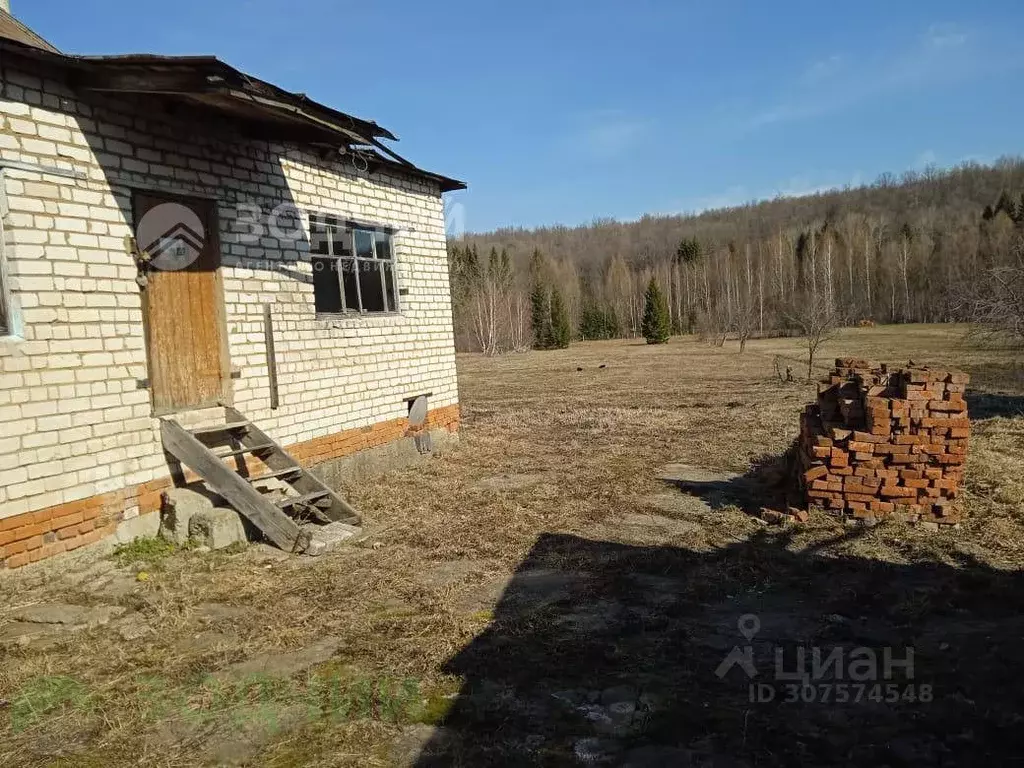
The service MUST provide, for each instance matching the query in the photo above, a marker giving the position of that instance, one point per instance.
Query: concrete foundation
(398, 454)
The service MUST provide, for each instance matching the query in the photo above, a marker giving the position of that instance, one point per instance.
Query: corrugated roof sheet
(12, 29)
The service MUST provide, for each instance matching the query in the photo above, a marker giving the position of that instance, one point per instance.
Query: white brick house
(306, 218)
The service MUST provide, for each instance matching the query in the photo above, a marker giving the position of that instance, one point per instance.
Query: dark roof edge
(223, 69)
(28, 36)
(210, 66)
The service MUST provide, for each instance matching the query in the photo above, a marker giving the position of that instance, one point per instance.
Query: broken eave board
(280, 115)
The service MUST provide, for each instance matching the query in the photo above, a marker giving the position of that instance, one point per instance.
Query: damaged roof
(267, 111)
(12, 29)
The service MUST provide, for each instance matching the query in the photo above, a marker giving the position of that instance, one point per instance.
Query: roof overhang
(261, 108)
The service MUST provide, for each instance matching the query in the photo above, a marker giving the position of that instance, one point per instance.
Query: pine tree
(689, 251)
(597, 322)
(540, 312)
(540, 303)
(561, 330)
(591, 322)
(1005, 205)
(656, 326)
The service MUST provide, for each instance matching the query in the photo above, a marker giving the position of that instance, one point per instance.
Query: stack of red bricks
(886, 444)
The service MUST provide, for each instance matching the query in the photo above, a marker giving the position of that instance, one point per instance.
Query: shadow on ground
(768, 483)
(603, 653)
(986, 405)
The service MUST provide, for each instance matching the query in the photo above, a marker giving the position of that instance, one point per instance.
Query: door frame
(226, 396)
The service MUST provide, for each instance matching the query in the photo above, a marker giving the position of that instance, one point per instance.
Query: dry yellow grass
(546, 449)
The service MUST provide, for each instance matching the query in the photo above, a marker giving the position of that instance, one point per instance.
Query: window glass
(341, 241)
(364, 244)
(348, 277)
(326, 290)
(318, 237)
(382, 245)
(389, 282)
(371, 287)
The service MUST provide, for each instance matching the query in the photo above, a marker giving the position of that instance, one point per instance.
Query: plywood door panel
(184, 315)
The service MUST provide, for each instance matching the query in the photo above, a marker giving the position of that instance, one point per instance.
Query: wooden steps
(309, 498)
(205, 450)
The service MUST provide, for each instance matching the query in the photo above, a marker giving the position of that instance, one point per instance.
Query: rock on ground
(327, 538)
(179, 506)
(688, 475)
(219, 612)
(421, 745)
(217, 528)
(283, 664)
(68, 615)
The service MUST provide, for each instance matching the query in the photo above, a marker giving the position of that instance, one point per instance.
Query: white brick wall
(72, 421)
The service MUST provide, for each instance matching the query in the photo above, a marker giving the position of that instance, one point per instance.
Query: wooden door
(183, 308)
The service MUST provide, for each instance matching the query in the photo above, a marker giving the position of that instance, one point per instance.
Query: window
(353, 267)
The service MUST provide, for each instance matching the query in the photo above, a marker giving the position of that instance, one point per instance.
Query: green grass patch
(43, 696)
(146, 550)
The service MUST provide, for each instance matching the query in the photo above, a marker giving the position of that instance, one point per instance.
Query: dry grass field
(537, 596)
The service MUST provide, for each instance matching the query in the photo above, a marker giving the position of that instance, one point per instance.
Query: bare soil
(548, 594)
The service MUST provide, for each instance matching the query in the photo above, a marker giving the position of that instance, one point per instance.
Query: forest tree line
(934, 246)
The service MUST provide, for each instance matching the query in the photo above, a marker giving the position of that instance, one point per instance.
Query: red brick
(9, 523)
(17, 561)
(65, 520)
(815, 472)
(904, 458)
(896, 491)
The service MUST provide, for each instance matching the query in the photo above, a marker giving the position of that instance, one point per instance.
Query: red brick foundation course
(882, 443)
(38, 535)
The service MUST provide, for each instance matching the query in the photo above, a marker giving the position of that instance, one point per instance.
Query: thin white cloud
(946, 36)
(925, 159)
(610, 134)
(942, 53)
(822, 69)
(797, 186)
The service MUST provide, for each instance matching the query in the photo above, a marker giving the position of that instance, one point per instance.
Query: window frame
(328, 228)
(6, 305)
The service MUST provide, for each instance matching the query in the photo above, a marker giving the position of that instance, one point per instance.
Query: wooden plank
(268, 332)
(305, 499)
(276, 525)
(277, 474)
(340, 510)
(218, 428)
(256, 448)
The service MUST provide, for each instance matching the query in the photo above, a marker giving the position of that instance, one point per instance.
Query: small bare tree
(996, 303)
(814, 315)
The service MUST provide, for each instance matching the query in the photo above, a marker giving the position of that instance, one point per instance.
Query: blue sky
(568, 110)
